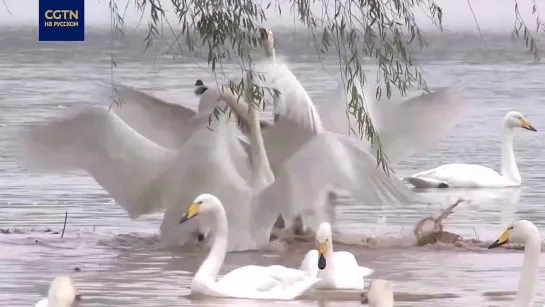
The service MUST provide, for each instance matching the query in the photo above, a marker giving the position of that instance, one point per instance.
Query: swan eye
(510, 227)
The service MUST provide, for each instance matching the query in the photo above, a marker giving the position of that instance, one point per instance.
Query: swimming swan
(337, 270)
(476, 176)
(524, 232)
(380, 294)
(62, 293)
(251, 282)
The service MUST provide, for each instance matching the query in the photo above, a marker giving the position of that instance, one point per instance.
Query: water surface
(121, 262)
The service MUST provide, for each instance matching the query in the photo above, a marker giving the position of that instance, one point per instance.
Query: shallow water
(120, 261)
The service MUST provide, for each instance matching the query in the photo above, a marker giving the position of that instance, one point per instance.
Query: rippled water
(121, 263)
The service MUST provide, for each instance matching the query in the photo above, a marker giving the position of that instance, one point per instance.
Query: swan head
(200, 88)
(204, 203)
(379, 294)
(515, 119)
(62, 292)
(267, 39)
(323, 240)
(518, 232)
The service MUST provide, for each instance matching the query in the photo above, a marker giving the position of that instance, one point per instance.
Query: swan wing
(347, 261)
(284, 139)
(203, 165)
(417, 123)
(334, 112)
(273, 282)
(331, 160)
(293, 101)
(404, 128)
(270, 277)
(121, 160)
(165, 123)
(251, 276)
(310, 263)
(286, 275)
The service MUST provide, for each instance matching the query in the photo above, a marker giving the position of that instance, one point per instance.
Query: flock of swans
(152, 155)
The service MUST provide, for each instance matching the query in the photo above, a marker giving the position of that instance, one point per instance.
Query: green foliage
(354, 29)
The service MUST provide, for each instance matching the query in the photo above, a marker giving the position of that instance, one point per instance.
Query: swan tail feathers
(365, 271)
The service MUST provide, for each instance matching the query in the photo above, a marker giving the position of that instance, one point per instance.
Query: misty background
(492, 15)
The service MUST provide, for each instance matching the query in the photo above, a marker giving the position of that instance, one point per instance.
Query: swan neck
(270, 52)
(509, 167)
(330, 250)
(238, 104)
(530, 268)
(211, 266)
(262, 174)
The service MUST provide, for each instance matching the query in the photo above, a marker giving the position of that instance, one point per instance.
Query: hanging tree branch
(354, 29)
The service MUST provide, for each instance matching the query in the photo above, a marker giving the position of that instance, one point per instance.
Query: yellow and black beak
(322, 250)
(504, 238)
(192, 211)
(526, 125)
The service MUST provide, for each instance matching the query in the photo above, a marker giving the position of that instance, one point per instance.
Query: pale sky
(492, 15)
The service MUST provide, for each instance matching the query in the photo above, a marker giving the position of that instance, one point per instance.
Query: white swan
(337, 270)
(298, 143)
(380, 294)
(476, 176)
(62, 293)
(404, 127)
(145, 177)
(252, 282)
(524, 232)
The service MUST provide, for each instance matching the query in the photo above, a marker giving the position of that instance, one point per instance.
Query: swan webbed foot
(280, 224)
(363, 297)
(298, 228)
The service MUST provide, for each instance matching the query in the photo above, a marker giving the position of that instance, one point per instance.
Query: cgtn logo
(62, 20)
